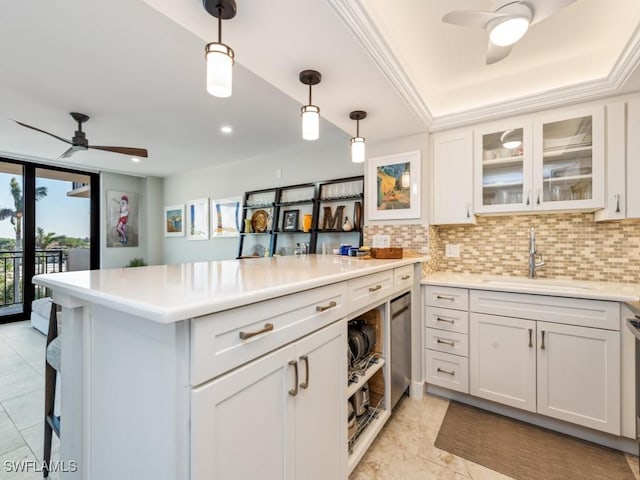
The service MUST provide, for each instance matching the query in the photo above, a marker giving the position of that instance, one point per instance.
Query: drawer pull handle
(445, 297)
(322, 308)
(267, 328)
(305, 384)
(542, 347)
(446, 320)
(405, 277)
(294, 391)
(530, 335)
(446, 371)
(451, 343)
(376, 288)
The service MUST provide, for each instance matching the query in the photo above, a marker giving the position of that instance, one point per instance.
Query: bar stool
(52, 367)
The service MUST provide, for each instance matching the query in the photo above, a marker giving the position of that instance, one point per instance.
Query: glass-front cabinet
(570, 169)
(503, 177)
(551, 162)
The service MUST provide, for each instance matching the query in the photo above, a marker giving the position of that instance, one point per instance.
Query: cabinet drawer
(447, 297)
(366, 290)
(402, 277)
(216, 343)
(447, 319)
(570, 311)
(448, 342)
(447, 370)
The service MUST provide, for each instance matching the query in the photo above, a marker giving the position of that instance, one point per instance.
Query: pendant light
(357, 142)
(219, 56)
(310, 113)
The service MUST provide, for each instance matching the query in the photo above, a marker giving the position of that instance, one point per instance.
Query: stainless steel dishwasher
(400, 346)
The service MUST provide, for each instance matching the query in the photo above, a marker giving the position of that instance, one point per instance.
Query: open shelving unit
(340, 198)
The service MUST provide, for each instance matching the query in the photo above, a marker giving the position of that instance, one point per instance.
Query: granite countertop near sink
(618, 292)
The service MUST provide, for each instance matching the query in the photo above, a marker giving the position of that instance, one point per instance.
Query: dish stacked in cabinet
(366, 382)
(447, 337)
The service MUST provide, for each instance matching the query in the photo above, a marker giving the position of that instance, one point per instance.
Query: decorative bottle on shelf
(346, 226)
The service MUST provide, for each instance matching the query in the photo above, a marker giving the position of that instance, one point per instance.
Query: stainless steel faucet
(533, 266)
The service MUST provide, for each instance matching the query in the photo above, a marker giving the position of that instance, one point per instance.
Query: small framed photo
(290, 220)
(198, 219)
(174, 221)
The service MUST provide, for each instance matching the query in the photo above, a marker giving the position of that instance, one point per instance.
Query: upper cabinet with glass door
(503, 168)
(569, 166)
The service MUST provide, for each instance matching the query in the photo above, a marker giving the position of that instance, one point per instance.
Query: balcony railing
(11, 269)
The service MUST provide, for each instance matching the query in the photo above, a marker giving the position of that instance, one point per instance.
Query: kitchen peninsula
(228, 369)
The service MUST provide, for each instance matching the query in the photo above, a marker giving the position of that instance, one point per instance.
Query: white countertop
(170, 293)
(619, 292)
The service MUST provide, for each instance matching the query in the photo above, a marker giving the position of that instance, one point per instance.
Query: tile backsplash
(572, 244)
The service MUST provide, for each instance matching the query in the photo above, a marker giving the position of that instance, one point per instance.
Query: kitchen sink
(536, 284)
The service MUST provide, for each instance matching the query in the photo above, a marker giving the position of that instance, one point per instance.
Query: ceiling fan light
(219, 69)
(509, 31)
(357, 150)
(310, 122)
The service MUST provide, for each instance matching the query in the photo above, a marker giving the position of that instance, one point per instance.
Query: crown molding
(367, 34)
(352, 13)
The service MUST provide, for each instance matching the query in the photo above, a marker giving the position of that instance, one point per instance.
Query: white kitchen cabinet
(453, 174)
(503, 360)
(553, 161)
(633, 158)
(579, 375)
(615, 199)
(279, 417)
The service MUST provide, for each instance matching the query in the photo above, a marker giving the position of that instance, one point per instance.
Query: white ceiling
(137, 68)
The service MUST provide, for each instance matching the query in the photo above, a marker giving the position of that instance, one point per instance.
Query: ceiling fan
(507, 23)
(79, 141)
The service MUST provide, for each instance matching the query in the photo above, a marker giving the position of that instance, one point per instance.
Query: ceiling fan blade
(470, 18)
(134, 152)
(545, 8)
(68, 153)
(496, 53)
(42, 131)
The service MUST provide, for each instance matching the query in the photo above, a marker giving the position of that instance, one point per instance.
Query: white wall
(150, 195)
(325, 159)
(399, 145)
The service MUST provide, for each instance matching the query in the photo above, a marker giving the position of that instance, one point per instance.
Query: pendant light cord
(219, 8)
(357, 127)
(310, 94)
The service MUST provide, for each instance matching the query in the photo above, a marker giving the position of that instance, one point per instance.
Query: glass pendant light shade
(310, 122)
(357, 150)
(219, 69)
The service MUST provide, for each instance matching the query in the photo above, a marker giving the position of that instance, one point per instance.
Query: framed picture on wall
(393, 186)
(290, 220)
(198, 219)
(225, 217)
(174, 221)
(123, 227)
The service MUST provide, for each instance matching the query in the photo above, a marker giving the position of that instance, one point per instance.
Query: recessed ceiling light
(135, 159)
(226, 129)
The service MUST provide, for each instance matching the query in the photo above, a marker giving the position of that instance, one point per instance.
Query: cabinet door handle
(530, 335)
(446, 342)
(376, 288)
(446, 371)
(528, 195)
(446, 320)
(322, 308)
(267, 328)
(445, 297)
(305, 384)
(537, 196)
(468, 210)
(617, 203)
(294, 391)
(542, 345)
(405, 277)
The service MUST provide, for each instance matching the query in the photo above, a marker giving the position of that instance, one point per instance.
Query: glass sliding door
(11, 238)
(48, 223)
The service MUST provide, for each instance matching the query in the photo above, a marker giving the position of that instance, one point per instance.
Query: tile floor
(404, 450)
(22, 399)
